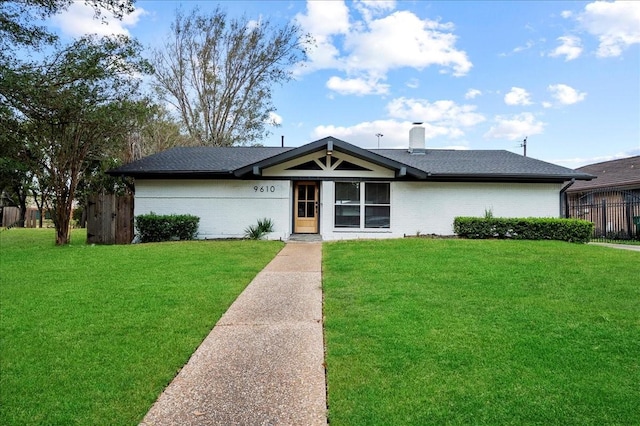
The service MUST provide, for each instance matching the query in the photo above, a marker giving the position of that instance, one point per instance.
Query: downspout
(563, 198)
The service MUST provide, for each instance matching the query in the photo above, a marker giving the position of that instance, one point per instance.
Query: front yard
(92, 334)
(418, 331)
(481, 332)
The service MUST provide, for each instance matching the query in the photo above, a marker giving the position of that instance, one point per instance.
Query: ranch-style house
(340, 191)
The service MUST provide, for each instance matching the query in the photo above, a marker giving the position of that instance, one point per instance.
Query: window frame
(362, 207)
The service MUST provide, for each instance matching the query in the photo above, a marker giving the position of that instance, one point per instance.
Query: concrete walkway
(618, 246)
(263, 362)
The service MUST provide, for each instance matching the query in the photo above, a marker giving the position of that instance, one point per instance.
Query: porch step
(307, 238)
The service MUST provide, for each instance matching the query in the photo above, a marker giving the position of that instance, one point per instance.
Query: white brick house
(339, 191)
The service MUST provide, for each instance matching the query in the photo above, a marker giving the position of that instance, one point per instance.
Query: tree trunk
(63, 220)
(23, 210)
(39, 206)
(62, 208)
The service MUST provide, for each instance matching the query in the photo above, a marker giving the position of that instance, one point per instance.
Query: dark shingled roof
(622, 173)
(431, 164)
(451, 164)
(197, 161)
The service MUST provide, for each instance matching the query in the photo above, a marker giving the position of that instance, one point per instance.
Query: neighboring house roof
(618, 174)
(430, 164)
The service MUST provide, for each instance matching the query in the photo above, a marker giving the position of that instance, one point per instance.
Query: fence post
(604, 217)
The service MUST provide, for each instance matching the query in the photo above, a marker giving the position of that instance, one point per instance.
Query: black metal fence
(615, 214)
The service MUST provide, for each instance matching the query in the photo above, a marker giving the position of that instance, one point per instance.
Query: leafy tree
(17, 19)
(16, 177)
(158, 133)
(79, 103)
(218, 73)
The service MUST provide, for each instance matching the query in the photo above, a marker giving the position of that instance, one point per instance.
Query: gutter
(563, 198)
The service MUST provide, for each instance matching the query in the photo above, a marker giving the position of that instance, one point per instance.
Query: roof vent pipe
(417, 139)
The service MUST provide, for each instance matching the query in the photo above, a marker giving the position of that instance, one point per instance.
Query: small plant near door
(257, 232)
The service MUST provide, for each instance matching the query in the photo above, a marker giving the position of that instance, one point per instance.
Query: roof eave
(497, 177)
(172, 174)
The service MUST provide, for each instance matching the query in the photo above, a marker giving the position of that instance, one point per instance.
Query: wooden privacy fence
(11, 217)
(110, 219)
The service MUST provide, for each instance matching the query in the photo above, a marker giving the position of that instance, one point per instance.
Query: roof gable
(330, 145)
(324, 164)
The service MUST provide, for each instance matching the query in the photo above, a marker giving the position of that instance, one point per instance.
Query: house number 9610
(264, 188)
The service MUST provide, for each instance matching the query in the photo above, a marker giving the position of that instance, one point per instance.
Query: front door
(306, 208)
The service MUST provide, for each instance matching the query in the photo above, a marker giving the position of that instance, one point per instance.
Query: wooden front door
(306, 208)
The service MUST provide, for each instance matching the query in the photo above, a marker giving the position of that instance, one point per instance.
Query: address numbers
(265, 188)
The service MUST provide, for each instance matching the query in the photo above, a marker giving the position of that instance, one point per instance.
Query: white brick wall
(225, 207)
(429, 208)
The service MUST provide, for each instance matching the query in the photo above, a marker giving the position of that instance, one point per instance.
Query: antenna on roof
(524, 145)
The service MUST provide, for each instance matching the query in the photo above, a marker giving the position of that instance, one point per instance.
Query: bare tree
(219, 72)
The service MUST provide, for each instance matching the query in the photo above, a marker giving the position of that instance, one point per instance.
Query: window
(347, 205)
(354, 198)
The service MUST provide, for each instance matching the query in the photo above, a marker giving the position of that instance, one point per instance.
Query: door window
(306, 200)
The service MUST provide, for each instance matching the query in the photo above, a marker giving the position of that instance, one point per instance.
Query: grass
(92, 334)
(481, 332)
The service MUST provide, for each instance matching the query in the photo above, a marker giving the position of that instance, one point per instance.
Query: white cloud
(323, 21)
(527, 46)
(79, 20)
(370, 8)
(517, 96)
(274, 118)
(515, 127)
(442, 119)
(325, 18)
(357, 86)
(566, 14)
(367, 49)
(566, 95)
(396, 133)
(442, 113)
(414, 83)
(616, 24)
(576, 162)
(570, 47)
(404, 40)
(472, 94)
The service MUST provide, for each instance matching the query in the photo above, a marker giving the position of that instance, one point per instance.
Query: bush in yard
(572, 230)
(154, 228)
(256, 232)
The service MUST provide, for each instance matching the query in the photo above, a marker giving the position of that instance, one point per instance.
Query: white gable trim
(328, 171)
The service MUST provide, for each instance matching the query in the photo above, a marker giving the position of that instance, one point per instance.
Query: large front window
(355, 198)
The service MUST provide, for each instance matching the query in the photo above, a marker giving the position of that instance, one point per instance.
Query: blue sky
(480, 75)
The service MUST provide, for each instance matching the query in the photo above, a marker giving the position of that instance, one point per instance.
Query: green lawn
(91, 334)
(423, 331)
